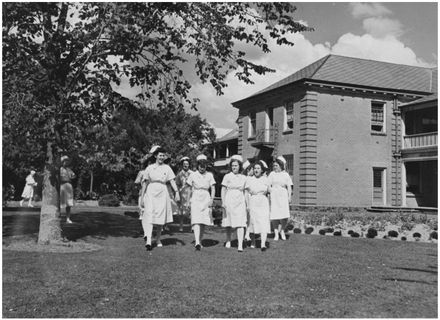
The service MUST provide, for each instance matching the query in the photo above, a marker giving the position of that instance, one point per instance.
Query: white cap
(154, 148)
(281, 158)
(201, 157)
(264, 164)
(64, 158)
(184, 158)
(236, 157)
(246, 164)
(33, 172)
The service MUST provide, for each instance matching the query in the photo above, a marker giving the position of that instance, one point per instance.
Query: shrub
(8, 194)
(309, 230)
(403, 238)
(337, 233)
(322, 232)
(109, 200)
(433, 235)
(329, 230)
(296, 230)
(355, 235)
(371, 233)
(350, 232)
(416, 235)
(131, 193)
(290, 226)
(393, 234)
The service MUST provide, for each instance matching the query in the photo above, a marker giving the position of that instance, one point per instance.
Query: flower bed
(360, 223)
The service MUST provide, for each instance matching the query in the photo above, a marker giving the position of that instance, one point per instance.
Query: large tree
(62, 60)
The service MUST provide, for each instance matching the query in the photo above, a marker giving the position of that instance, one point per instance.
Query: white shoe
(21, 203)
(30, 206)
(283, 235)
(68, 220)
(276, 238)
(159, 244)
(228, 244)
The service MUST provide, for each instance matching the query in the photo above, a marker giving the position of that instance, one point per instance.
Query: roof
(434, 89)
(361, 72)
(231, 135)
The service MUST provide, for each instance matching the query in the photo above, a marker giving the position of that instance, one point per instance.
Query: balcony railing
(420, 140)
(264, 138)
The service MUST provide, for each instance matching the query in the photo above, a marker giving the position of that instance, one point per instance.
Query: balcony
(264, 138)
(421, 140)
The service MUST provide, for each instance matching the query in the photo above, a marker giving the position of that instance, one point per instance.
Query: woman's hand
(177, 197)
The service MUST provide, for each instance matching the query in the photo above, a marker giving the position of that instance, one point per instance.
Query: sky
(396, 32)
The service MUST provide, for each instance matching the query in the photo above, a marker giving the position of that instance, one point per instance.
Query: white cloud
(381, 27)
(362, 10)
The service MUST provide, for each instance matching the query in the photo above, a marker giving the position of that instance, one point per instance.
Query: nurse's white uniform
(234, 201)
(157, 203)
(258, 204)
(201, 213)
(279, 198)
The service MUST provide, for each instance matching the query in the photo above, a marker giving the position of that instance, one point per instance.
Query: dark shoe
(263, 249)
(148, 246)
(198, 247)
(240, 250)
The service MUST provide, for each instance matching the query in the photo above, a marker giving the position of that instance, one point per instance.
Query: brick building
(355, 132)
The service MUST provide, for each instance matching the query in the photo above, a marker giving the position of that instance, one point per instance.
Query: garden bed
(360, 223)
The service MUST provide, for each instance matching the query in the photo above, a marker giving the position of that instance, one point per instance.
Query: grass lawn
(306, 276)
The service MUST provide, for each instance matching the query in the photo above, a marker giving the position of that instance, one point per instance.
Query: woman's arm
(224, 190)
(176, 191)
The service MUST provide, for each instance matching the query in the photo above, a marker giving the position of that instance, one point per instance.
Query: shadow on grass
(94, 224)
(433, 283)
(416, 269)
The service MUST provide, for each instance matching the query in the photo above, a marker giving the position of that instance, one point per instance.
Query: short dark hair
(240, 165)
(202, 163)
(263, 168)
(159, 150)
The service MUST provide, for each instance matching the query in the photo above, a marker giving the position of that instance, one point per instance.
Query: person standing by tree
(234, 202)
(257, 203)
(184, 189)
(157, 204)
(202, 194)
(28, 191)
(66, 189)
(280, 197)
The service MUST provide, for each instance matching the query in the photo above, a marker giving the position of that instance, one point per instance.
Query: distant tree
(61, 61)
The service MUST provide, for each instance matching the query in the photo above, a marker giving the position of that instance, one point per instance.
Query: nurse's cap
(184, 158)
(201, 157)
(237, 157)
(281, 158)
(264, 164)
(246, 164)
(154, 148)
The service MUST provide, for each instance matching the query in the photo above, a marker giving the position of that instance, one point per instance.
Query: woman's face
(235, 167)
(276, 167)
(257, 170)
(202, 168)
(160, 157)
(185, 165)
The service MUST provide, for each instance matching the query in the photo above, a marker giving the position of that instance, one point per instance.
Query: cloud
(382, 27)
(362, 10)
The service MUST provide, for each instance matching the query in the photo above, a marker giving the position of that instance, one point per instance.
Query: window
(289, 163)
(377, 117)
(270, 116)
(289, 116)
(252, 124)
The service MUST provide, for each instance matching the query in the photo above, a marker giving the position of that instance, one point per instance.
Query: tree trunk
(91, 182)
(50, 220)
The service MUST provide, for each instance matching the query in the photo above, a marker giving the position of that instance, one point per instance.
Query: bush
(109, 200)
(337, 233)
(290, 227)
(393, 234)
(416, 235)
(350, 232)
(8, 194)
(322, 232)
(309, 230)
(297, 230)
(371, 233)
(131, 193)
(403, 238)
(329, 230)
(433, 235)
(355, 235)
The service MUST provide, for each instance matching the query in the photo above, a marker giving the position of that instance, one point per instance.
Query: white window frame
(252, 131)
(383, 104)
(286, 127)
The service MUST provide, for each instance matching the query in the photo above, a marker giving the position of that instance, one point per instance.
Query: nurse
(248, 170)
(202, 185)
(280, 197)
(157, 203)
(234, 201)
(184, 189)
(257, 202)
